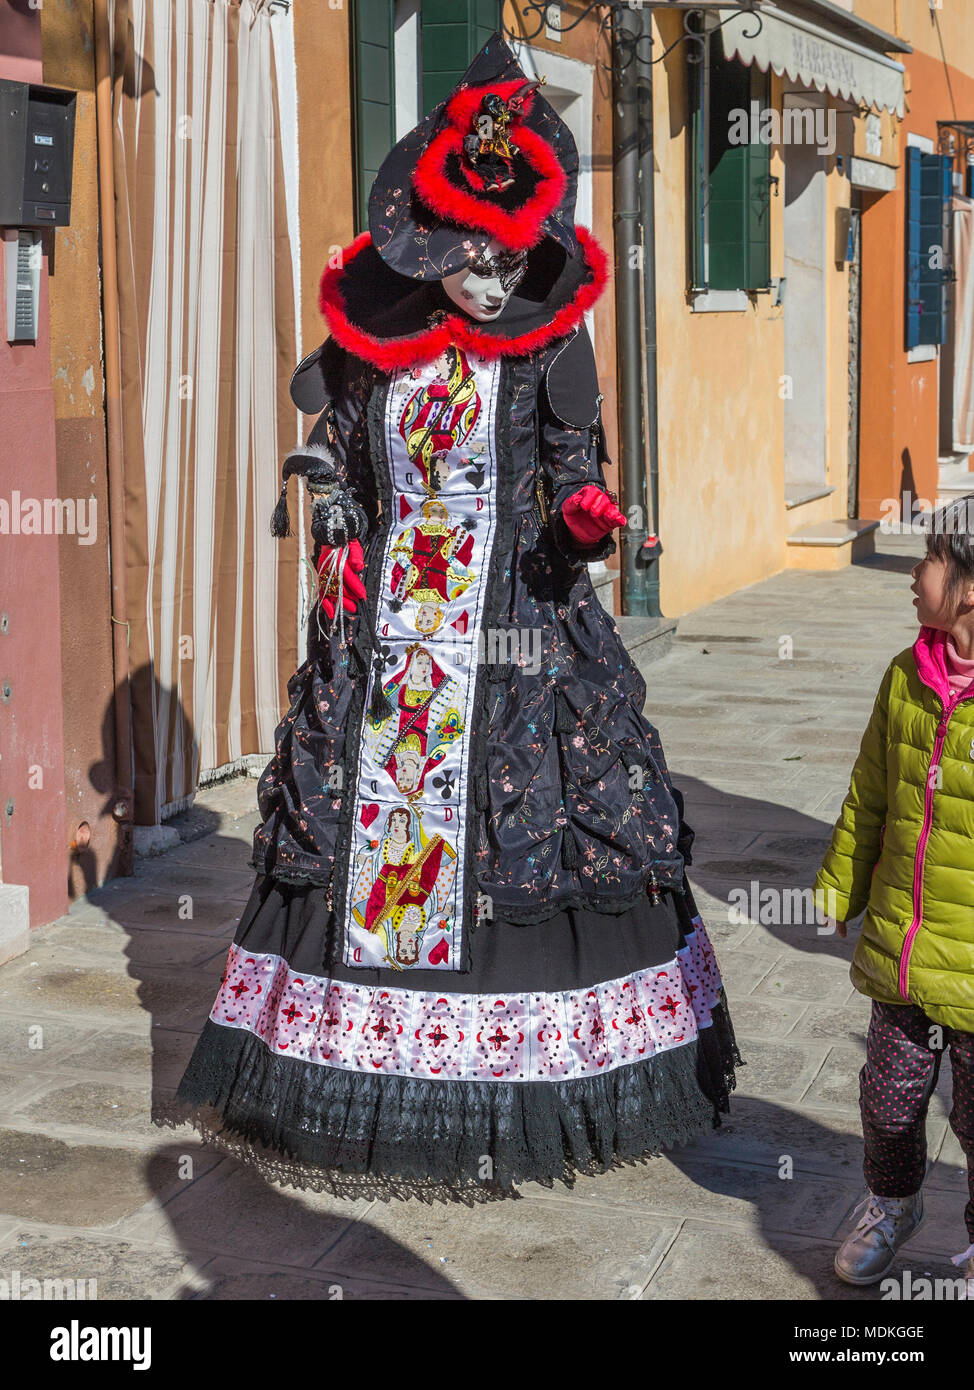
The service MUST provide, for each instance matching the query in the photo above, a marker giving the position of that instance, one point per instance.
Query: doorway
(806, 402)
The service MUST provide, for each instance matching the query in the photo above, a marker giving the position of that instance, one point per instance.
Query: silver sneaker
(884, 1225)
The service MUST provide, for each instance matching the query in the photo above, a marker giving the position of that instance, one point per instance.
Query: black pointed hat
(493, 157)
(492, 161)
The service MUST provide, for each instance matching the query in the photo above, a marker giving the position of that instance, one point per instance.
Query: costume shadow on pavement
(151, 1211)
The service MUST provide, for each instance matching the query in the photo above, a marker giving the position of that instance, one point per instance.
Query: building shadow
(243, 1235)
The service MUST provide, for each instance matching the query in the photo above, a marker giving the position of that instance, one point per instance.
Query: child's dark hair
(950, 537)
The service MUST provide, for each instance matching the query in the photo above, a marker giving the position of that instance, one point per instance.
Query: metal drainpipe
(123, 797)
(626, 28)
(647, 191)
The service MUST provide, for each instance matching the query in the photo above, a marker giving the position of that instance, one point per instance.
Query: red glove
(591, 514)
(352, 587)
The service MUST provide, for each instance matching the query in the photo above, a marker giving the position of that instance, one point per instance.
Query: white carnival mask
(483, 288)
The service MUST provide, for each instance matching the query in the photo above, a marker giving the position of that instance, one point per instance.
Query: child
(903, 848)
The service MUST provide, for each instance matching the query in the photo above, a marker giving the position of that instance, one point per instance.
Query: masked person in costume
(503, 976)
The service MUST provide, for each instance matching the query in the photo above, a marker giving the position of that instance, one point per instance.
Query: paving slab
(531, 1248)
(777, 1132)
(765, 1195)
(73, 1184)
(231, 1280)
(779, 1070)
(233, 1211)
(103, 1267)
(712, 1262)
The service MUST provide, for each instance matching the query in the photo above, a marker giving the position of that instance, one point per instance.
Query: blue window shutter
(930, 188)
(947, 273)
(912, 247)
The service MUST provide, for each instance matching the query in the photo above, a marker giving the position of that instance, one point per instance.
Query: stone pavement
(97, 1020)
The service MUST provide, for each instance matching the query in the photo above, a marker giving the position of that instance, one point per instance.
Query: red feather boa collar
(389, 353)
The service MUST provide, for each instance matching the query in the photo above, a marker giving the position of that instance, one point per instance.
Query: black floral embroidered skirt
(571, 1045)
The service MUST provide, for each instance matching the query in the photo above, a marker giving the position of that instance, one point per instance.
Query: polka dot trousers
(904, 1050)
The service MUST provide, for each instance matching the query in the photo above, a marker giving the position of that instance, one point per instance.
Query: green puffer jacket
(903, 845)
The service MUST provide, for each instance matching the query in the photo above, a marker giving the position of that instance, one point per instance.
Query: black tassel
(280, 517)
(379, 707)
(396, 605)
(565, 721)
(569, 849)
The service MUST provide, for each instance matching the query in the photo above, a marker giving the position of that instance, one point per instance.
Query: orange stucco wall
(899, 434)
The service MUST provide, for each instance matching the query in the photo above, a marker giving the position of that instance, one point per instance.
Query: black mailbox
(36, 151)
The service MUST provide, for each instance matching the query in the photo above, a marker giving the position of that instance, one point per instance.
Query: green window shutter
(374, 100)
(452, 33)
(699, 181)
(729, 183)
(486, 20)
(758, 197)
(727, 209)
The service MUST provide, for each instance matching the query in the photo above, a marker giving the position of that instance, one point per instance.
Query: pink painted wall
(33, 839)
(20, 41)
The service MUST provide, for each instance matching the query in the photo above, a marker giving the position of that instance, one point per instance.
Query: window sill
(719, 301)
(924, 352)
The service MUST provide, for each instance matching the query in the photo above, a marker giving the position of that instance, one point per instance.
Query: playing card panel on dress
(407, 868)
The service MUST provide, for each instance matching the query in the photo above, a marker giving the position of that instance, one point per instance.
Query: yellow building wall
(723, 519)
(720, 414)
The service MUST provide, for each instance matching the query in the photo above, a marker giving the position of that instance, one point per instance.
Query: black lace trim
(349, 1133)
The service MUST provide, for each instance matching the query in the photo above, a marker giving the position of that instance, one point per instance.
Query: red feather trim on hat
(465, 104)
(519, 229)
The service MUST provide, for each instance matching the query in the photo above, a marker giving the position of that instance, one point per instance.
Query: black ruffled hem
(353, 1134)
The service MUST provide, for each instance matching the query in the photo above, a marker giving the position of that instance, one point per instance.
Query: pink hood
(930, 654)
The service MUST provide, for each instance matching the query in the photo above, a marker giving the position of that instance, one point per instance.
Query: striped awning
(815, 57)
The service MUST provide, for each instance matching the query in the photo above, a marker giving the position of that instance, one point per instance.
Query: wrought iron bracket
(956, 138)
(628, 43)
